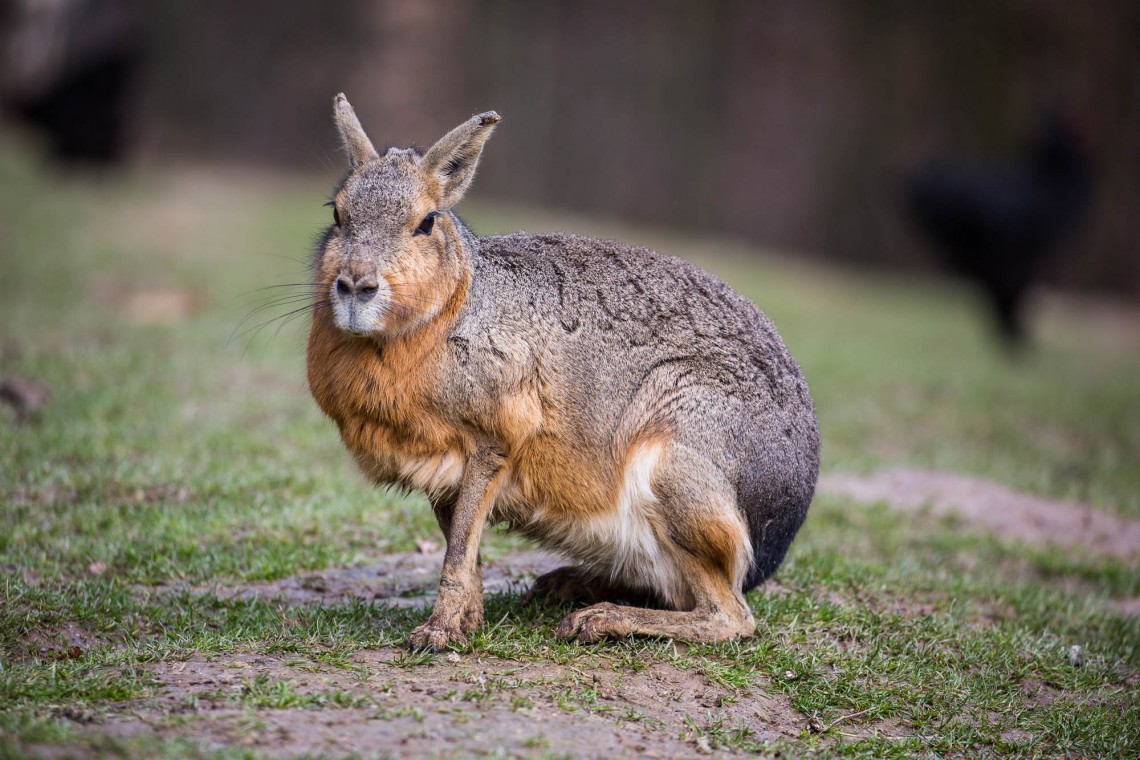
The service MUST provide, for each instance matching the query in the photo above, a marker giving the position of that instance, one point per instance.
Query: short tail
(775, 511)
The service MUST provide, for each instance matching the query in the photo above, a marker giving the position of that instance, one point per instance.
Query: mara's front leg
(444, 508)
(459, 608)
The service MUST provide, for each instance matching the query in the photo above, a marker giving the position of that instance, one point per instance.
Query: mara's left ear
(452, 160)
(356, 143)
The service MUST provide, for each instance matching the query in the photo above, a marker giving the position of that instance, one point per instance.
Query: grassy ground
(172, 457)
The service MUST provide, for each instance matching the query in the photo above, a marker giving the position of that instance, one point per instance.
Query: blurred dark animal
(997, 225)
(66, 68)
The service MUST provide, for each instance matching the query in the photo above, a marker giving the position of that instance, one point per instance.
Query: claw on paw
(593, 624)
(436, 637)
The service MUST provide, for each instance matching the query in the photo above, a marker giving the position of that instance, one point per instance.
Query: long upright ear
(454, 158)
(356, 143)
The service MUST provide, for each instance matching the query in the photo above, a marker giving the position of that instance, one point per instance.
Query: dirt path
(455, 706)
(386, 701)
(989, 507)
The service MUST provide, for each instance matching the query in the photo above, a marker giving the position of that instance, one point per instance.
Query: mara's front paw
(449, 624)
(437, 635)
(593, 624)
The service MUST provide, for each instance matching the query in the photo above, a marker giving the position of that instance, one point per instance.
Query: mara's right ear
(356, 143)
(452, 160)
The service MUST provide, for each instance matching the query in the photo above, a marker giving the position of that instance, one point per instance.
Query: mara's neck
(382, 379)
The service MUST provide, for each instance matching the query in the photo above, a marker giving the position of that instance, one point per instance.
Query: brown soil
(456, 706)
(64, 642)
(988, 507)
(453, 706)
(161, 306)
(25, 396)
(400, 580)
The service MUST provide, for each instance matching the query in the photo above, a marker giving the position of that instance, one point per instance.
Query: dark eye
(336, 216)
(427, 224)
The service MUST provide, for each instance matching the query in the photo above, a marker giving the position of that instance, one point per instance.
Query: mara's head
(394, 255)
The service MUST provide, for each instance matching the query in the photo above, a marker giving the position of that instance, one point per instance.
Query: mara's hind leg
(719, 613)
(697, 563)
(577, 584)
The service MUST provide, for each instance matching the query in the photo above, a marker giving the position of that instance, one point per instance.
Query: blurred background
(935, 202)
(793, 125)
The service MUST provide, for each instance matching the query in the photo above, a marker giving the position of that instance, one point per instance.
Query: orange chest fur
(408, 414)
(379, 398)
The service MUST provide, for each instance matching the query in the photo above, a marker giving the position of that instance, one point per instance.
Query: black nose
(362, 289)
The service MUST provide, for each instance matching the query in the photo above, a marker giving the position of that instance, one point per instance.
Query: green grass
(172, 455)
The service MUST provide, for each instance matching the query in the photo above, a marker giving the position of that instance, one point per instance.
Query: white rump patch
(638, 553)
(621, 543)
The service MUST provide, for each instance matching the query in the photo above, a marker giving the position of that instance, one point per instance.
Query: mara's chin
(360, 325)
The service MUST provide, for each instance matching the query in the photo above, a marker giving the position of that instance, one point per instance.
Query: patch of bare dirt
(149, 304)
(62, 643)
(995, 509)
(1109, 323)
(1038, 693)
(161, 306)
(1129, 606)
(455, 706)
(25, 396)
(110, 494)
(399, 580)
